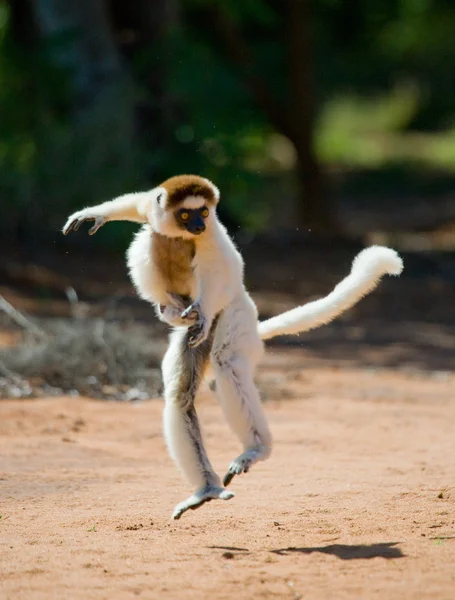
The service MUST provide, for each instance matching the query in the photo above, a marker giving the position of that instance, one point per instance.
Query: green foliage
(384, 94)
(52, 161)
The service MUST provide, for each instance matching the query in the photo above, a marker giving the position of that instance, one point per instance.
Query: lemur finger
(186, 312)
(191, 310)
(69, 227)
(197, 340)
(78, 222)
(99, 221)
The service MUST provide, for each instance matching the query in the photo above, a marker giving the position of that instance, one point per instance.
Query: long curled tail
(367, 269)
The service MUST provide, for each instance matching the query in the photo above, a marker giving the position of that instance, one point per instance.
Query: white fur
(179, 444)
(146, 280)
(218, 289)
(129, 207)
(194, 202)
(216, 191)
(237, 350)
(367, 269)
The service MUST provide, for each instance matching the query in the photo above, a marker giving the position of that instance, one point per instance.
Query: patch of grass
(360, 132)
(92, 357)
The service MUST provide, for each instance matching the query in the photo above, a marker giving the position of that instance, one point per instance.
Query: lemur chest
(172, 258)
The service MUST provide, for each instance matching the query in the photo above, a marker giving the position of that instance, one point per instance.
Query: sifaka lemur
(183, 261)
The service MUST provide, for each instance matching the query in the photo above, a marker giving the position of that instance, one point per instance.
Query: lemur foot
(200, 497)
(242, 463)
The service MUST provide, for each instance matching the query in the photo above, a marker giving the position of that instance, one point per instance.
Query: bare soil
(357, 500)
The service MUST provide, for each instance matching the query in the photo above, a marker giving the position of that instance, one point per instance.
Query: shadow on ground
(349, 552)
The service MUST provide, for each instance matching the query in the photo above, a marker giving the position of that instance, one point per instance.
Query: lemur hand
(178, 301)
(198, 332)
(75, 221)
(179, 307)
(192, 312)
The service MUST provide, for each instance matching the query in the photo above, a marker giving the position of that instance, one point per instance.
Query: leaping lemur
(183, 261)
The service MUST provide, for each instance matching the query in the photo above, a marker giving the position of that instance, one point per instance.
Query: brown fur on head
(180, 187)
(182, 191)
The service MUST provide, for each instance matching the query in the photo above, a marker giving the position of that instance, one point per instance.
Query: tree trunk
(315, 211)
(91, 145)
(86, 47)
(140, 26)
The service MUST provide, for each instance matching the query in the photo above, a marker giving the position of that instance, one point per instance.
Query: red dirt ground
(357, 500)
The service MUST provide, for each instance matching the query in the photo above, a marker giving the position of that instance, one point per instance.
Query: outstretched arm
(130, 207)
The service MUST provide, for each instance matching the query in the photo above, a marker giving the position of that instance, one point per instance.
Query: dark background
(333, 117)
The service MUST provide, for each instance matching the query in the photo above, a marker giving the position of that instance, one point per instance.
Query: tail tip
(383, 258)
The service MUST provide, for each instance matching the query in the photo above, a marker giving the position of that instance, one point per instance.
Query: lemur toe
(228, 478)
(238, 466)
(232, 472)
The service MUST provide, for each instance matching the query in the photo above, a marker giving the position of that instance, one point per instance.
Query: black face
(192, 219)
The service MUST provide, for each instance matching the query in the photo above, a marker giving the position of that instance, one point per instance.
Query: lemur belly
(172, 258)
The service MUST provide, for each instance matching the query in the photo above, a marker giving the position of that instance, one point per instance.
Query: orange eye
(184, 216)
(205, 213)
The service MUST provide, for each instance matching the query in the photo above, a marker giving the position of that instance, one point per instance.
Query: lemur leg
(183, 368)
(235, 354)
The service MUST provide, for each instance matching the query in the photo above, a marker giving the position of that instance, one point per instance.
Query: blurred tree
(292, 111)
(68, 93)
(143, 31)
(100, 96)
(80, 41)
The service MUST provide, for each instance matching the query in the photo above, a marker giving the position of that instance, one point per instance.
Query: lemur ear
(216, 191)
(160, 196)
(145, 200)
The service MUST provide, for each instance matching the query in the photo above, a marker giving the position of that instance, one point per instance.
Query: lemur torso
(160, 265)
(172, 259)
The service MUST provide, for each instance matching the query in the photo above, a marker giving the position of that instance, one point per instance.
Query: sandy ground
(357, 500)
